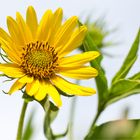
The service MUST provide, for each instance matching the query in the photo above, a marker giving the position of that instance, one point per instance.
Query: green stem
(91, 131)
(21, 121)
(95, 120)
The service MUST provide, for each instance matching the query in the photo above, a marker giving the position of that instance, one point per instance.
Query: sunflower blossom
(38, 55)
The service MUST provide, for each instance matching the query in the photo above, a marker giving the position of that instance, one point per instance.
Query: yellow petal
(24, 29)
(45, 26)
(57, 20)
(81, 72)
(14, 31)
(11, 70)
(16, 86)
(32, 88)
(71, 88)
(11, 51)
(41, 93)
(53, 93)
(65, 31)
(31, 20)
(74, 42)
(5, 36)
(78, 59)
(26, 79)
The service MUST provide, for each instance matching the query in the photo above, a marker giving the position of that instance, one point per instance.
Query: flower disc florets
(39, 55)
(39, 60)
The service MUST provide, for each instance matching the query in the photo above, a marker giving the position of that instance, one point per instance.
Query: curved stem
(91, 130)
(21, 121)
(95, 119)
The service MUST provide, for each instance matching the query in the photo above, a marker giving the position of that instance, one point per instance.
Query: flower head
(38, 55)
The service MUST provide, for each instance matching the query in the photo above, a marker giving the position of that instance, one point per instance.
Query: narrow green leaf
(101, 80)
(123, 88)
(135, 76)
(115, 130)
(129, 60)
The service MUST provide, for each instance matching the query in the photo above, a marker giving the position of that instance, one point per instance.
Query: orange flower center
(39, 60)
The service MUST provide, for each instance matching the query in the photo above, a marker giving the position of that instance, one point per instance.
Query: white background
(123, 14)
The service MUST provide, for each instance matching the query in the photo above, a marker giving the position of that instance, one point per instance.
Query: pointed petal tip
(18, 14)
(30, 7)
(74, 18)
(94, 91)
(91, 91)
(95, 54)
(9, 93)
(60, 10)
(95, 72)
(8, 18)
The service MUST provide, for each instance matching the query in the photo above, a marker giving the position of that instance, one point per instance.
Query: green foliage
(97, 30)
(117, 130)
(129, 61)
(101, 79)
(121, 86)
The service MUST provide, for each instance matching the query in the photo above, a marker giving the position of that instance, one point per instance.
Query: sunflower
(38, 55)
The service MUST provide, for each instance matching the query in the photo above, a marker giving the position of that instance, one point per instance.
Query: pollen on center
(39, 60)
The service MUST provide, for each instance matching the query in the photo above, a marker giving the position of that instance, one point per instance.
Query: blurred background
(120, 15)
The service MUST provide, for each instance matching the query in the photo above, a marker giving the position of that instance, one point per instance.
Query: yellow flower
(38, 55)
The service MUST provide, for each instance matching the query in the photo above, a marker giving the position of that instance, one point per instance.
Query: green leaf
(129, 60)
(101, 80)
(115, 130)
(136, 134)
(29, 129)
(123, 88)
(135, 76)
